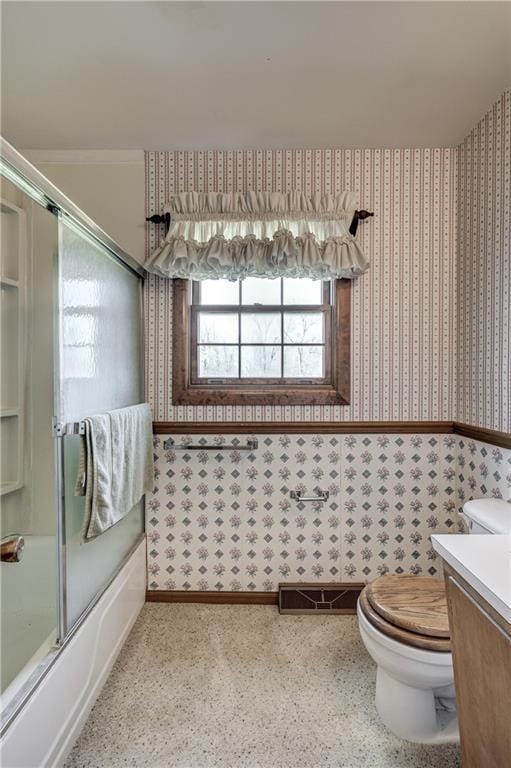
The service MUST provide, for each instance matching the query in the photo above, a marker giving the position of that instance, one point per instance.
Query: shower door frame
(18, 170)
(66, 629)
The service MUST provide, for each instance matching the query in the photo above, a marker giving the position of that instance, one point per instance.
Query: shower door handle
(11, 548)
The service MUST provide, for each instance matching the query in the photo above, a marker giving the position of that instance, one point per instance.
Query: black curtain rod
(164, 218)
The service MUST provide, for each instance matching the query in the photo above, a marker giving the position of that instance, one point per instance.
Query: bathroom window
(258, 341)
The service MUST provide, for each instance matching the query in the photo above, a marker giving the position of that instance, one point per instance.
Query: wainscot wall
(224, 521)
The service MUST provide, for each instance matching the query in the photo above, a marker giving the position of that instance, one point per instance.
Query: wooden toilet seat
(415, 603)
(410, 609)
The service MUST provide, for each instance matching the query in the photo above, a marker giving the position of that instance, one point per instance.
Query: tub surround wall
(484, 272)
(403, 309)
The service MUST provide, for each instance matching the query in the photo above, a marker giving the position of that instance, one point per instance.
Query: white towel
(116, 466)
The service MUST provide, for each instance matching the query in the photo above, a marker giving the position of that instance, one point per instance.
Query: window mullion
(281, 327)
(239, 327)
(239, 345)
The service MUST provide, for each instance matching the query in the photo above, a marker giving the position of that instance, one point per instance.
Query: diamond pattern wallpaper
(483, 471)
(225, 520)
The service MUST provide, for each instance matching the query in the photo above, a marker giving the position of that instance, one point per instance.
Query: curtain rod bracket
(163, 218)
(358, 216)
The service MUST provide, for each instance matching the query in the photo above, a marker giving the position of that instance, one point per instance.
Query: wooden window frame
(184, 392)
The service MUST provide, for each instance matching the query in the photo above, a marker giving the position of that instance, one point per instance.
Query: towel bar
(170, 444)
(297, 496)
(62, 429)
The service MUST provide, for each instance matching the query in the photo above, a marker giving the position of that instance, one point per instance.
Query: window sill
(203, 395)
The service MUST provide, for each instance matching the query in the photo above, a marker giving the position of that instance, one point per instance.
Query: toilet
(404, 626)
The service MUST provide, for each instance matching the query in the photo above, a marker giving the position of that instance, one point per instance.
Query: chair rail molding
(491, 436)
(305, 427)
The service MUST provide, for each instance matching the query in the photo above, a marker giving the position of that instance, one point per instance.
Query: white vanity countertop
(484, 561)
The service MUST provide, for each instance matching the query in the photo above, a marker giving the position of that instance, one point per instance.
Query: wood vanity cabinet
(481, 647)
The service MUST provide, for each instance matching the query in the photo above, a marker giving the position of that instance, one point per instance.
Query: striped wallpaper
(484, 271)
(403, 317)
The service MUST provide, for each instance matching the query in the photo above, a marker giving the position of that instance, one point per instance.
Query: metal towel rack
(297, 496)
(170, 444)
(62, 429)
(71, 428)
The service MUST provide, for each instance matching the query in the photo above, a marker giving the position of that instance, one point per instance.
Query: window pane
(260, 362)
(219, 292)
(303, 327)
(218, 362)
(302, 291)
(218, 327)
(261, 327)
(258, 290)
(303, 362)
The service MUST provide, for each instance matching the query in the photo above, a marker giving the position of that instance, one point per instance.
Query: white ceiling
(164, 75)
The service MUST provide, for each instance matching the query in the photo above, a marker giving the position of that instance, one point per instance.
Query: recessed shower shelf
(13, 343)
(9, 487)
(8, 282)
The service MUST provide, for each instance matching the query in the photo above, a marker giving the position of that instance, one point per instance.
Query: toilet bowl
(414, 684)
(403, 625)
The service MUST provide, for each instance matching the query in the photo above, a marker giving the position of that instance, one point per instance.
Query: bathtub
(43, 726)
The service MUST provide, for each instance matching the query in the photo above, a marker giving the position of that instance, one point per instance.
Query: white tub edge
(49, 724)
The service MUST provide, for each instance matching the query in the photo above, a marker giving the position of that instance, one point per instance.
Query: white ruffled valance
(259, 234)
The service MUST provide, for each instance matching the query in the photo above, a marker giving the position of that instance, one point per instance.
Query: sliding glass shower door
(100, 369)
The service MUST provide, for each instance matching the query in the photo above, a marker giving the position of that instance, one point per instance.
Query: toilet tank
(488, 516)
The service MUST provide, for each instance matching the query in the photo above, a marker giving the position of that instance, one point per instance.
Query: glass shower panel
(28, 497)
(100, 369)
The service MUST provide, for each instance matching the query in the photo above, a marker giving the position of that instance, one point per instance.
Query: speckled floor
(201, 686)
